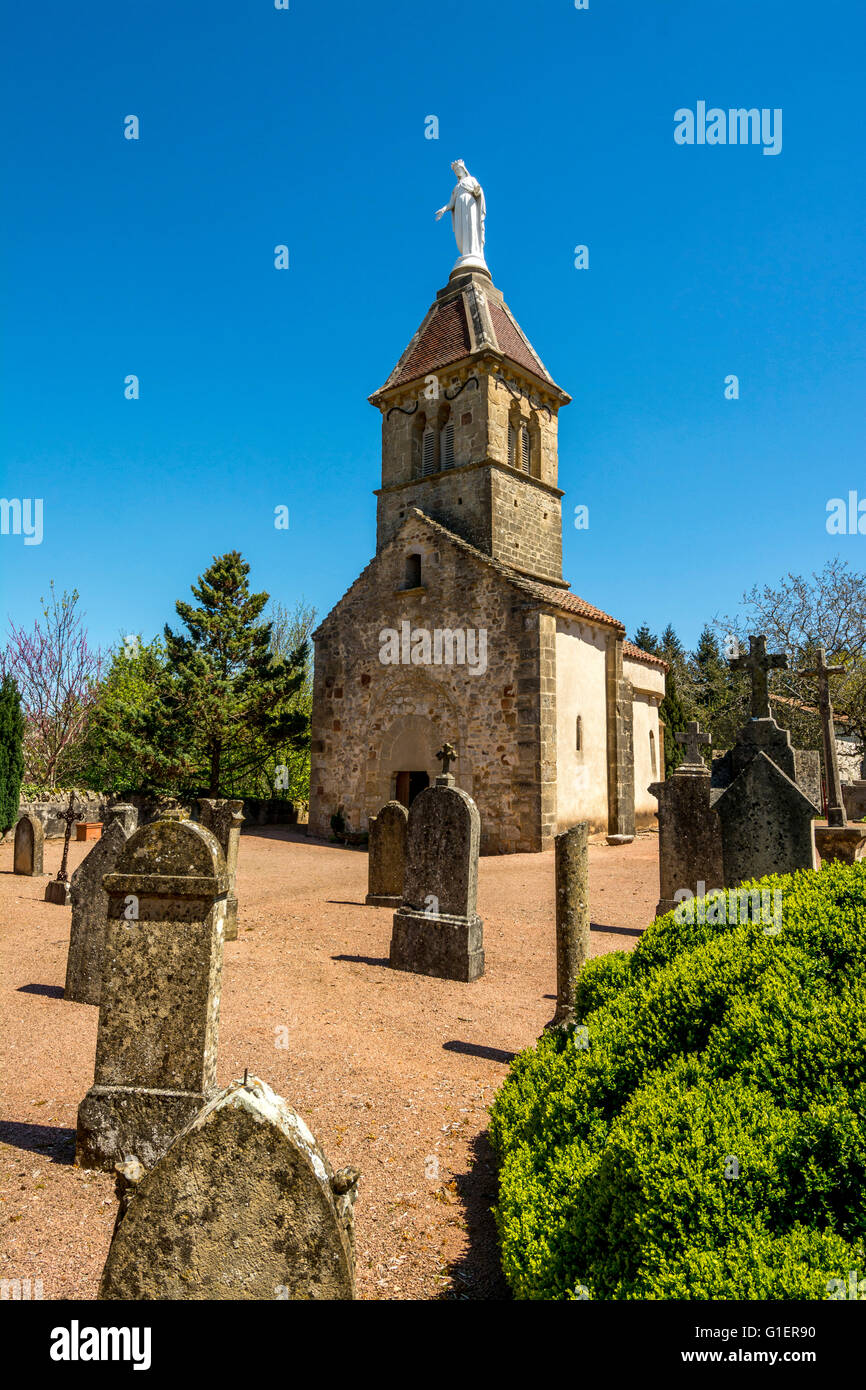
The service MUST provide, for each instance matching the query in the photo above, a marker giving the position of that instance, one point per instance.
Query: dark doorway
(409, 784)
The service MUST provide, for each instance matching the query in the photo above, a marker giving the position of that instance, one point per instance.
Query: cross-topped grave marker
(758, 663)
(58, 890)
(694, 739)
(835, 803)
(447, 755)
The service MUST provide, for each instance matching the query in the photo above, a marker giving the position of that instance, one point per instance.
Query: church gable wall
(367, 713)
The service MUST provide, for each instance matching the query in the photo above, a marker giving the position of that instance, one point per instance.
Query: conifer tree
(646, 640)
(11, 752)
(224, 690)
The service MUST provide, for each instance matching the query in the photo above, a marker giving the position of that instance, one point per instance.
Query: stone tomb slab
(159, 1005)
(767, 824)
(243, 1205)
(386, 872)
(437, 931)
(90, 916)
(690, 838)
(225, 819)
(29, 846)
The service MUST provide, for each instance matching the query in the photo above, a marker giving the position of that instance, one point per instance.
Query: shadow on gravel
(52, 991)
(58, 1145)
(493, 1054)
(364, 960)
(478, 1273)
(616, 931)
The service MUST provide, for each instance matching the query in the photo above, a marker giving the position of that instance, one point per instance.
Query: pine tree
(672, 710)
(646, 640)
(673, 714)
(670, 644)
(11, 752)
(224, 687)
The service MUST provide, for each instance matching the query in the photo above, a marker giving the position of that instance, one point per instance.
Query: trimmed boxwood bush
(710, 1141)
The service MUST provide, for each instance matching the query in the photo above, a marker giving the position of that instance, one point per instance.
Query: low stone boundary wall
(48, 811)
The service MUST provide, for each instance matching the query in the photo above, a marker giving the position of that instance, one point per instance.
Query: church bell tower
(469, 431)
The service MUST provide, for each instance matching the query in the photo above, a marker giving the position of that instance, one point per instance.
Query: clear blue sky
(306, 127)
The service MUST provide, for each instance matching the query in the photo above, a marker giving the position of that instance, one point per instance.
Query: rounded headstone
(243, 1205)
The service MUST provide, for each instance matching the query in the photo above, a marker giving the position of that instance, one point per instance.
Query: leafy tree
(799, 615)
(287, 769)
(118, 754)
(224, 692)
(11, 752)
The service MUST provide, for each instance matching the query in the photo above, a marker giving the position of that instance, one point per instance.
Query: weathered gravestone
(125, 813)
(766, 824)
(437, 931)
(159, 1006)
(90, 914)
(572, 919)
(837, 840)
(386, 869)
(244, 1205)
(690, 836)
(751, 818)
(29, 845)
(224, 819)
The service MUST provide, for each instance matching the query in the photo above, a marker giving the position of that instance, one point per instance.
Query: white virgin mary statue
(468, 211)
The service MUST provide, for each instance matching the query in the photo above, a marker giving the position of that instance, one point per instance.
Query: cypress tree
(11, 752)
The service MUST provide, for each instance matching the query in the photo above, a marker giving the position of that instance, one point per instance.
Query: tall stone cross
(694, 739)
(758, 663)
(835, 801)
(447, 755)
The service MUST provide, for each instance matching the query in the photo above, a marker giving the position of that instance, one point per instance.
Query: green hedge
(711, 1050)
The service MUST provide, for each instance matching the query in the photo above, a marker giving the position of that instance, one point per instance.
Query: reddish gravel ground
(393, 1072)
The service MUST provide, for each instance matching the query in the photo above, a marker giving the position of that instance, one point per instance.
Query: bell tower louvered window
(524, 448)
(428, 454)
(446, 446)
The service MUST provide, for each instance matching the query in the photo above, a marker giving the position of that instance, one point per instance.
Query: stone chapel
(462, 627)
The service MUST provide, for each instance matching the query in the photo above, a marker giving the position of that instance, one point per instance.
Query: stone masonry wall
(372, 720)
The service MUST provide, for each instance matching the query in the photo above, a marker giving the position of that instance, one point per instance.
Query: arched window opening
(578, 740)
(653, 763)
(419, 425)
(413, 571)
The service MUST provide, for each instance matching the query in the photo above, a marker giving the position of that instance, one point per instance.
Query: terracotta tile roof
(544, 593)
(572, 603)
(638, 654)
(445, 336)
(514, 344)
(444, 339)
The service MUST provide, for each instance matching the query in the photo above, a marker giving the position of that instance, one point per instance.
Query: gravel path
(392, 1072)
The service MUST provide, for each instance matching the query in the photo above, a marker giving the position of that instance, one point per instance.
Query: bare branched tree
(58, 673)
